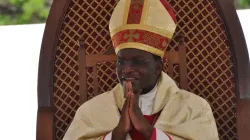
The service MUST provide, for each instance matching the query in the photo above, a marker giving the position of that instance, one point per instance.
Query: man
(146, 104)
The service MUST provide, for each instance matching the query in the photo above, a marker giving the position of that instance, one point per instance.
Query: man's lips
(130, 78)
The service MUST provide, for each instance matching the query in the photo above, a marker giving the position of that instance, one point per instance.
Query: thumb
(126, 104)
(134, 101)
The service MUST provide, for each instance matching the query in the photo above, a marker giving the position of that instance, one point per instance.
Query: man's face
(139, 67)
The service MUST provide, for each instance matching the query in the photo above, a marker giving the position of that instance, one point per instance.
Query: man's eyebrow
(118, 57)
(134, 57)
(137, 57)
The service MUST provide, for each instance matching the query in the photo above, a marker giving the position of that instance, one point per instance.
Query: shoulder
(189, 101)
(101, 101)
(189, 97)
(99, 112)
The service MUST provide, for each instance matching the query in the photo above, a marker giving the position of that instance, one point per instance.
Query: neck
(148, 89)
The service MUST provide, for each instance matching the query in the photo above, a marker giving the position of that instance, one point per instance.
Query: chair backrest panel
(209, 63)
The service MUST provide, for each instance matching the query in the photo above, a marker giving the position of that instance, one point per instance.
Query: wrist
(118, 134)
(147, 131)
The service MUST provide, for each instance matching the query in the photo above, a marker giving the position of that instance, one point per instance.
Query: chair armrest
(45, 119)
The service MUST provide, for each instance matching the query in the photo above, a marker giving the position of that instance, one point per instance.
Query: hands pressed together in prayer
(131, 115)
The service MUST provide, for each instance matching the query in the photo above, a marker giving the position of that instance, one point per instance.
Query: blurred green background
(242, 4)
(24, 11)
(36, 11)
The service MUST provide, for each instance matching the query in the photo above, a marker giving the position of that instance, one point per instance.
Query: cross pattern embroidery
(164, 44)
(131, 36)
(136, 4)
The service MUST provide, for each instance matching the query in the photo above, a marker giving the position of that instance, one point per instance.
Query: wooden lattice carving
(209, 62)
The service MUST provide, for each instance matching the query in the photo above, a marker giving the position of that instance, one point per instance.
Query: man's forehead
(133, 53)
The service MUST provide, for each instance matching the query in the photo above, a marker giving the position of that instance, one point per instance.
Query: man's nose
(128, 68)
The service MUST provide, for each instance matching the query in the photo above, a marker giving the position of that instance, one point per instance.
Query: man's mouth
(130, 78)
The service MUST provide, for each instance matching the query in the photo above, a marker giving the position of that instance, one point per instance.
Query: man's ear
(159, 67)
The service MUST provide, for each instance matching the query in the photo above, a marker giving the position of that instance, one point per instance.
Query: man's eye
(136, 62)
(120, 62)
(139, 62)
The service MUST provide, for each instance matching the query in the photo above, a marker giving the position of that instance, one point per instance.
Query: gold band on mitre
(147, 25)
(140, 46)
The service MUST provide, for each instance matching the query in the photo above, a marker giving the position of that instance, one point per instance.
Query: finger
(136, 99)
(125, 89)
(126, 110)
(130, 88)
(126, 104)
(131, 102)
(126, 86)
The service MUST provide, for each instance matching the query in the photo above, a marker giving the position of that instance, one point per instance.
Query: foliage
(243, 4)
(36, 11)
(23, 11)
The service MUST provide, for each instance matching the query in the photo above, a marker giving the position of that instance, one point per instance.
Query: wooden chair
(217, 62)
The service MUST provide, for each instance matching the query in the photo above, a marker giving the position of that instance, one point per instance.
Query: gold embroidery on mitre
(152, 16)
(140, 46)
(167, 33)
(126, 10)
(131, 36)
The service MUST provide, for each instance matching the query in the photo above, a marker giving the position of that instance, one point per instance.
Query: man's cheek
(143, 70)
